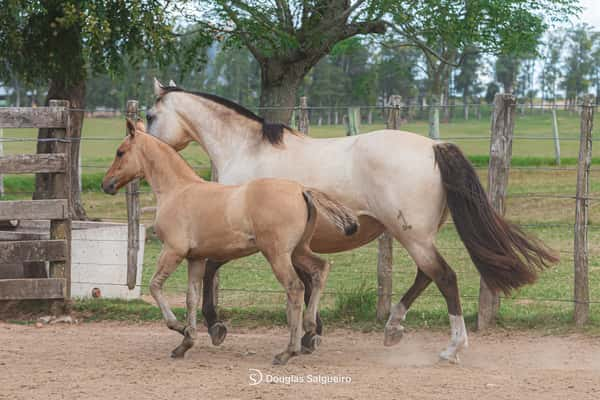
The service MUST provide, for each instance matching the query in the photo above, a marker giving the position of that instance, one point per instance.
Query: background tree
(288, 38)
(578, 64)
(467, 81)
(551, 71)
(59, 43)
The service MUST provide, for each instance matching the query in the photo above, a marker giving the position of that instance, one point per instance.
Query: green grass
(251, 295)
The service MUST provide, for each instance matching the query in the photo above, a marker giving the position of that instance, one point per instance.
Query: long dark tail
(504, 255)
(340, 215)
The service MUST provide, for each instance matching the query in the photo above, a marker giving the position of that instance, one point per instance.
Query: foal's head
(127, 165)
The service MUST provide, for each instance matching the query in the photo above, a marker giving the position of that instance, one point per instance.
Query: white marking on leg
(458, 338)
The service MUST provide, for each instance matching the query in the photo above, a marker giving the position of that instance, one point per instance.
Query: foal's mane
(272, 132)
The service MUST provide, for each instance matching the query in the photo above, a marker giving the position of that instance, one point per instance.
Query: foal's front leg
(167, 263)
(196, 270)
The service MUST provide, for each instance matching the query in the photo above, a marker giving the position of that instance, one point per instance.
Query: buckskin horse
(393, 180)
(196, 219)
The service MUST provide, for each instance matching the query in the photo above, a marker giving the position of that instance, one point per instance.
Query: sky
(591, 12)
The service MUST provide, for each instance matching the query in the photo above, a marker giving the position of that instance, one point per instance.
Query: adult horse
(393, 180)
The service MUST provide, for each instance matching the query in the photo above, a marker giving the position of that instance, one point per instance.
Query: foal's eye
(120, 153)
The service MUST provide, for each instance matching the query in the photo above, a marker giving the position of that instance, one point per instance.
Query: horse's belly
(328, 239)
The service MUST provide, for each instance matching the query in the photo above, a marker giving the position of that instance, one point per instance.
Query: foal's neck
(164, 169)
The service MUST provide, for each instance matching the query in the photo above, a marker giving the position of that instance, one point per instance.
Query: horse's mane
(273, 132)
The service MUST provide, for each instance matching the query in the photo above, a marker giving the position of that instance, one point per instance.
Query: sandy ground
(131, 361)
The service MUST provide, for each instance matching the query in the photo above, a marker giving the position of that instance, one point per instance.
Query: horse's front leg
(167, 263)
(216, 328)
(196, 270)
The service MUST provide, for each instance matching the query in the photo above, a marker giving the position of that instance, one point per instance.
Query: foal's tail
(340, 215)
(504, 255)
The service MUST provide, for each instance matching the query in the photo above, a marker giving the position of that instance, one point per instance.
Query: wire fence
(319, 115)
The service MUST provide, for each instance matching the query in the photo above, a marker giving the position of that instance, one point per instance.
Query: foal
(196, 220)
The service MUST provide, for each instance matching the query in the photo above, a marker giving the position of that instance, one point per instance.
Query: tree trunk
(278, 87)
(75, 94)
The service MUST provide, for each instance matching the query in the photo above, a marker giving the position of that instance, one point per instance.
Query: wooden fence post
(1, 154)
(556, 137)
(303, 122)
(60, 229)
(434, 117)
(503, 124)
(582, 295)
(353, 127)
(133, 213)
(385, 255)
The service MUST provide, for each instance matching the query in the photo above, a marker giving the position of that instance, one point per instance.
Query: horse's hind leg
(430, 261)
(286, 275)
(195, 273)
(393, 328)
(216, 328)
(167, 263)
(316, 271)
(307, 280)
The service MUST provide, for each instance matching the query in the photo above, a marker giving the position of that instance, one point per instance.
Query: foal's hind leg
(167, 263)
(285, 274)
(316, 270)
(216, 328)
(195, 273)
(307, 280)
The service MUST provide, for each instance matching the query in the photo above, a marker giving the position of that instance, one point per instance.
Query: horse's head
(127, 165)
(164, 122)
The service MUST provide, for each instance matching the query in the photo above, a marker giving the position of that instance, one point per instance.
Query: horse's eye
(149, 117)
(120, 153)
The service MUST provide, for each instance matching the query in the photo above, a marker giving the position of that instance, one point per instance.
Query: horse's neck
(164, 169)
(225, 140)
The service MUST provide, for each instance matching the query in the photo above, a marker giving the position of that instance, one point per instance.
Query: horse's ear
(130, 127)
(158, 88)
(172, 83)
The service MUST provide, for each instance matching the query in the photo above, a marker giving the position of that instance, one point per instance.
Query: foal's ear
(158, 88)
(139, 125)
(130, 127)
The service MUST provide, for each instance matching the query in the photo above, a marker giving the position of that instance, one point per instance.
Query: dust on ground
(111, 360)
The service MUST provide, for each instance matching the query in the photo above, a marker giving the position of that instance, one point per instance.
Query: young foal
(196, 220)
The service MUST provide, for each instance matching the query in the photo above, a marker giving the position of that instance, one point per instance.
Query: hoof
(393, 335)
(283, 358)
(218, 333)
(449, 356)
(179, 351)
(310, 343)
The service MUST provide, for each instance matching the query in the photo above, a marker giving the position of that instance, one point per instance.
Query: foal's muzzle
(109, 186)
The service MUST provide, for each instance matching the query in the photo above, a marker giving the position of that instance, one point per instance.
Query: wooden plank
(503, 125)
(581, 288)
(34, 209)
(31, 289)
(14, 236)
(303, 121)
(27, 117)
(32, 250)
(33, 163)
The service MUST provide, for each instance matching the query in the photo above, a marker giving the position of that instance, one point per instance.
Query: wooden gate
(57, 249)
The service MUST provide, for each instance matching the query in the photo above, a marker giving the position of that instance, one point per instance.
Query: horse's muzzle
(109, 186)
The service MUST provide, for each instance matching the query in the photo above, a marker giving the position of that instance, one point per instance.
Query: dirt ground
(131, 361)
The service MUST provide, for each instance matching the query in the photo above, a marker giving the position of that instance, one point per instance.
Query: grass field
(249, 285)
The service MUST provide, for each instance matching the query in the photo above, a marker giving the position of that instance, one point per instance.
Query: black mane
(273, 132)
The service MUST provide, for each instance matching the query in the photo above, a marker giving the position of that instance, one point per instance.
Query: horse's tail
(504, 255)
(341, 216)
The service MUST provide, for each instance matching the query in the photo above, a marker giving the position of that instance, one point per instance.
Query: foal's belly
(328, 239)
